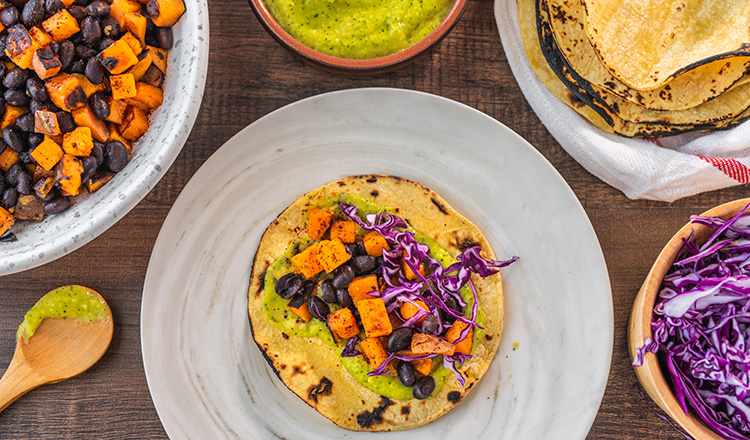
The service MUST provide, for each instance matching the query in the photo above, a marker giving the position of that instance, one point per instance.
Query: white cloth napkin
(666, 168)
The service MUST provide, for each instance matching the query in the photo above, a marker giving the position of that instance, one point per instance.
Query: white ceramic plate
(40, 243)
(206, 375)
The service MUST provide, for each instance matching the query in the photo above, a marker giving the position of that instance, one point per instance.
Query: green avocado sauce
(275, 307)
(75, 302)
(359, 29)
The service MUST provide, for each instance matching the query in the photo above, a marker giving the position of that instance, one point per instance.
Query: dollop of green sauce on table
(74, 302)
(275, 308)
(359, 29)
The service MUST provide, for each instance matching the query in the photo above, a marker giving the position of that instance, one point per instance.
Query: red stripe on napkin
(730, 167)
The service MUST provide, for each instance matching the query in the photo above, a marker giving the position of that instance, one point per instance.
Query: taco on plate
(376, 302)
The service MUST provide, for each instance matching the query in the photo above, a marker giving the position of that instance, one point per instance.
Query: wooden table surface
(250, 75)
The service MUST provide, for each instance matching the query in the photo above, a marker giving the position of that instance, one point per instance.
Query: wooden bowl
(650, 373)
(357, 67)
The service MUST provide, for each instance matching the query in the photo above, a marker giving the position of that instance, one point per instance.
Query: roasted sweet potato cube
(134, 42)
(136, 24)
(11, 114)
(422, 366)
(98, 180)
(43, 186)
(119, 8)
(18, 41)
(317, 223)
(332, 254)
(422, 343)
(68, 174)
(6, 221)
(45, 122)
(298, 306)
(160, 57)
(453, 333)
(114, 135)
(117, 109)
(47, 154)
(85, 117)
(408, 310)
(344, 230)
(374, 351)
(408, 273)
(360, 287)
(65, 91)
(78, 142)
(118, 57)
(153, 76)
(306, 262)
(8, 158)
(343, 323)
(45, 63)
(148, 95)
(39, 36)
(123, 86)
(375, 244)
(165, 13)
(374, 317)
(88, 87)
(29, 207)
(135, 124)
(61, 25)
(144, 63)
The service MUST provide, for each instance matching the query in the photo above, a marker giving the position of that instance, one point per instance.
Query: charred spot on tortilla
(372, 179)
(454, 397)
(323, 388)
(341, 183)
(488, 337)
(465, 243)
(374, 193)
(366, 419)
(284, 335)
(405, 410)
(439, 206)
(298, 370)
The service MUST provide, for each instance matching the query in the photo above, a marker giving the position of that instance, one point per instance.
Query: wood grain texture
(249, 76)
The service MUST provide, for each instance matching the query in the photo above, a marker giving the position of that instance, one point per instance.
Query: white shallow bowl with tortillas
(205, 373)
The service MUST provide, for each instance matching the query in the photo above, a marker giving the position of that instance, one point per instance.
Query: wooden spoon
(58, 350)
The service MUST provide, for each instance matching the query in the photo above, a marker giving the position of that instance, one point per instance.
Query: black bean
(36, 89)
(9, 16)
(35, 106)
(429, 325)
(95, 71)
(351, 249)
(164, 37)
(308, 287)
(406, 373)
(98, 153)
(343, 276)
(117, 155)
(50, 195)
(318, 308)
(78, 66)
(78, 12)
(361, 250)
(99, 105)
(25, 157)
(56, 206)
(3, 42)
(11, 176)
(66, 53)
(10, 197)
(13, 137)
(399, 339)
(53, 6)
(363, 263)
(89, 167)
(344, 299)
(65, 121)
(3, 71)
(91, 32)
(152, 7)
(85, 52)
(33, 13)
(328, 292)
(81, 3)
(110, 27)
(3, 183)
(35, 139)
(25, 184)
(16, 78)
(98, 8)
(26, 121)
(289, 285)
(16, 98)
(105, 43)
(2, 108)
(423, 388)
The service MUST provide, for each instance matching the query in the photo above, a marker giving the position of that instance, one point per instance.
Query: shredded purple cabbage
(350, 350)
(433, 289)
(701, 326)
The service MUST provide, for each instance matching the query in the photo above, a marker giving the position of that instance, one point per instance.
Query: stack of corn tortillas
(641, 68)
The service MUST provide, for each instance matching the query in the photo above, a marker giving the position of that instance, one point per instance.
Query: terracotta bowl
(650, 374)
(357, 66)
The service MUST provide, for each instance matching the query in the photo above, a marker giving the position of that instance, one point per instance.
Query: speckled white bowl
(40, 243)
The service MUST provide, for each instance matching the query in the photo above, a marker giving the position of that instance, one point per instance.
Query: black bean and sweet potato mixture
(78, 79)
